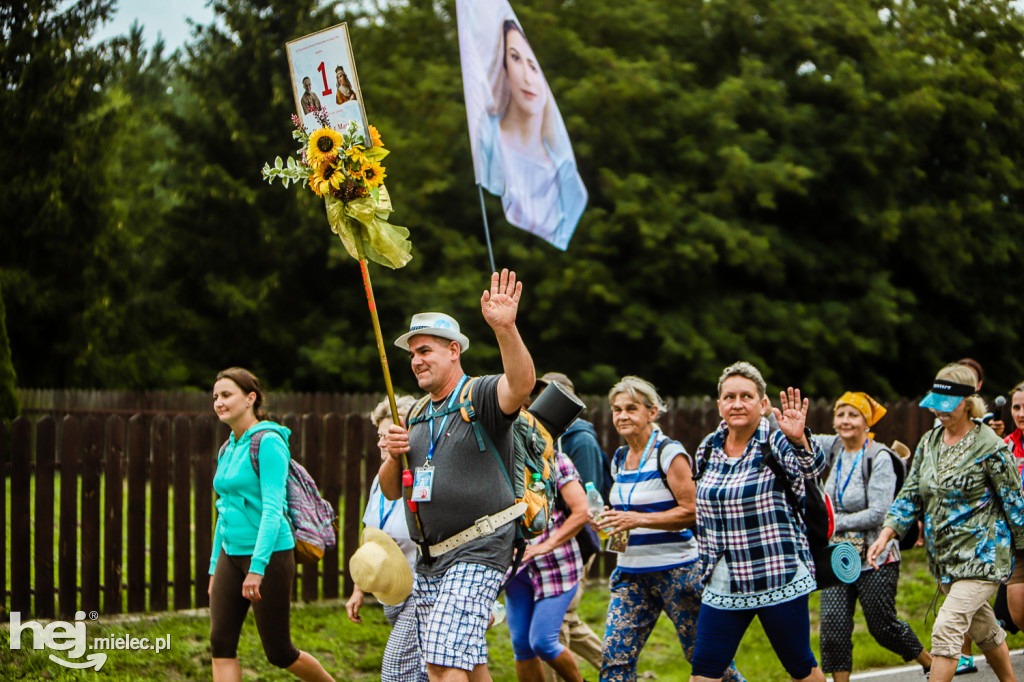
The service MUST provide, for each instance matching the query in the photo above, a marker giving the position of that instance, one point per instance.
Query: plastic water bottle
(537, 484)
(596, 506)
(498, 611)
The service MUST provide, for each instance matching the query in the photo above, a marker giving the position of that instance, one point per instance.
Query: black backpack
(817, 514)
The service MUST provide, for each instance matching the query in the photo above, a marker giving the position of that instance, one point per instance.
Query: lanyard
(430, 420)
(839, 473)
(647, 451)
(390, 504)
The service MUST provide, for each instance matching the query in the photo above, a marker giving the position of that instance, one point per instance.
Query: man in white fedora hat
(459, 489)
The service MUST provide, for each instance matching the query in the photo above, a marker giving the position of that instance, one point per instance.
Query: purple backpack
(313, 520)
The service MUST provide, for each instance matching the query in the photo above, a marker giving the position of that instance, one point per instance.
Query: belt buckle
(484, 526)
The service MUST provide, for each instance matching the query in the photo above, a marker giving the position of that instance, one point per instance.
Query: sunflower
(375, 140)
(357, 155)
(323, 146)
(374, 174)
(355, 172)
(325, 178)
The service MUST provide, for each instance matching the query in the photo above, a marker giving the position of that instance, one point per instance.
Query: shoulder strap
(617, 459)
(657, 455)
(768, 457)
(254, 450)
(703, 456)
(413, 417)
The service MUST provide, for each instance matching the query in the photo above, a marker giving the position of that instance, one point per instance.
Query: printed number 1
(323, 72)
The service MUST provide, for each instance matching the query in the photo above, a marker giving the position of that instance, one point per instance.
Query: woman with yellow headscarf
(862, 484)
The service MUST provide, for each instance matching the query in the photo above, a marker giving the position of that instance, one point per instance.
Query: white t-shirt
(389, 516)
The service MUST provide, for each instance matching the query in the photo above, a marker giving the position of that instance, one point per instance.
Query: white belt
(485, 525)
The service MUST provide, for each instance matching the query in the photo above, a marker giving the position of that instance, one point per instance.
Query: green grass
(353, 652)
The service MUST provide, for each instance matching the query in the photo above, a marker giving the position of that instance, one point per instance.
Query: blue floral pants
(637, 601)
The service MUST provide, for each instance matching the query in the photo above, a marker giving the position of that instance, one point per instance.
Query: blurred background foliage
(829, 190)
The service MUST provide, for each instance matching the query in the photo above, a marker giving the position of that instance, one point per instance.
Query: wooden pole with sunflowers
(339, 167)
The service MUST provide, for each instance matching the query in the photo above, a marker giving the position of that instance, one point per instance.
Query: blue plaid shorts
(453, 610)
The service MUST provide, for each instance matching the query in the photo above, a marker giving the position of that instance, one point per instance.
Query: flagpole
(487, 231)
(387, 383)
(380, 341)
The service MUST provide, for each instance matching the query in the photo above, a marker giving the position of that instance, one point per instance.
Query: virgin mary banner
(521, 149)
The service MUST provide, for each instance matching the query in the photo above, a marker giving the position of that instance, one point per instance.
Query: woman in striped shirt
(652, 509)
(754, 553)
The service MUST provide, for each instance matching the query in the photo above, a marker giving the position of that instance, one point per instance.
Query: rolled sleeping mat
(837, 564)
(556, 407)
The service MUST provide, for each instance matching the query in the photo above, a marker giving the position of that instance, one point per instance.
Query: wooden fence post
(331, 490)
(92, 446)
(353, 486)
(138, 457)
(46, 451)
(21, 517)
(182, 446)
(313, 462)
(5, 436)
(67, 549)
(113, 529)
(158, 539)
(205, 463)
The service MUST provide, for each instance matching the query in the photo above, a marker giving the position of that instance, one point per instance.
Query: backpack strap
(769, 459)
(703, 457)
(254, 450)
(619, 458)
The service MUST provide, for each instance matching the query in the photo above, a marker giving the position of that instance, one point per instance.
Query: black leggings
(228, 607)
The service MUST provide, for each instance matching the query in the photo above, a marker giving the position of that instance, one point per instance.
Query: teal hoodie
(251, 510)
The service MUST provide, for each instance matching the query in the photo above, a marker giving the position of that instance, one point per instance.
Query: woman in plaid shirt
(754, 555)
(649, 522)
(537, 597)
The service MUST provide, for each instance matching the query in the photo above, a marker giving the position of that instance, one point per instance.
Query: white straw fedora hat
(434, 324)
(380, 567)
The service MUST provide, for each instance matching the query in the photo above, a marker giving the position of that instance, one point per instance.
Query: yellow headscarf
(863, 403)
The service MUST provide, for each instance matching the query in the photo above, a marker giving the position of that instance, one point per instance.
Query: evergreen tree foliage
(9, 404)
(829, 190)
(51, 139)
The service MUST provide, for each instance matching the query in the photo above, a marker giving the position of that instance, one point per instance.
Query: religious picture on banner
(324, 76)
(521, 149)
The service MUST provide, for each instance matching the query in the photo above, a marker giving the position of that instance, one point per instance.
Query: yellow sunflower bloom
(374, 174)
(375, 140)
(326, 178)
(357, 155)
(323, 146)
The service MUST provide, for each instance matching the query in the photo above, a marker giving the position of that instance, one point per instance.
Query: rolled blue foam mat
(845, 560)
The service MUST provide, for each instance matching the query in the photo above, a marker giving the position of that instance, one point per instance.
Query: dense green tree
(9, 404)
(51, 138)
(830, 190)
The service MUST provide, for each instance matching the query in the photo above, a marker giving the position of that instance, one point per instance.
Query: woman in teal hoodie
(253, 560)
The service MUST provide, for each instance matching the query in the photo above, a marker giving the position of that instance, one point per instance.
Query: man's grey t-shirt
(468, 482)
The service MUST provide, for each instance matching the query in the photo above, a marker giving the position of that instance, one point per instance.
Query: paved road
(912, 673)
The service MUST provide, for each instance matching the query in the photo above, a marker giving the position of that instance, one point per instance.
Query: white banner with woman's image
(521, 149)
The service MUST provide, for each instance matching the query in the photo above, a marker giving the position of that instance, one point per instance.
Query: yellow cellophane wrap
(363, 227)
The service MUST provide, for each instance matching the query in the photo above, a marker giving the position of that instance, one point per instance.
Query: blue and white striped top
(643, 490)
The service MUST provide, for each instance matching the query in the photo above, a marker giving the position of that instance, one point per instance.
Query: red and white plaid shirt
(560, 569)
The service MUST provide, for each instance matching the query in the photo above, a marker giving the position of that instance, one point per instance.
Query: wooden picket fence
(129, 499)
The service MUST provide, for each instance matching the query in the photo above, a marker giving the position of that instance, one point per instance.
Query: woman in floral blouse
(753, 550)
(965, 484)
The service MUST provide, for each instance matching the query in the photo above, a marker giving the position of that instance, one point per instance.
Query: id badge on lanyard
(423, 483)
